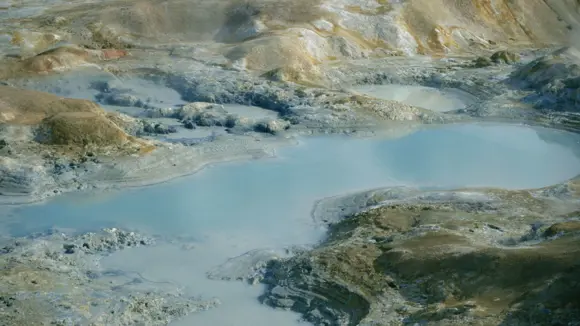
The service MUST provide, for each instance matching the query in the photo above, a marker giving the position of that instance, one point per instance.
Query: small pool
(105, 88)
(250, 112)
(230, 209)
(435, 99)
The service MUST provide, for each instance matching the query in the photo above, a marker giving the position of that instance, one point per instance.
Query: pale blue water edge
(233, 208)
(271, 193)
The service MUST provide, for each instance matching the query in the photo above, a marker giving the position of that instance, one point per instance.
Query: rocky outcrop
(553, 74)
(554, 85)
(482, 258)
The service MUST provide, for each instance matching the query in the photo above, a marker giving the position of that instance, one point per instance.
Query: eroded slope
(295, 36)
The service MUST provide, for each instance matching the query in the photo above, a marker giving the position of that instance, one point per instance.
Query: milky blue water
(430, 98)
(232, 208)
(507, 156)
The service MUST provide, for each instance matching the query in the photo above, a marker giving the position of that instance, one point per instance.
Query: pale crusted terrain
(296, 36)
(55, 279)
(52, 144)
(552, 83)
(42, 135)
(471, 257)
(394, 256)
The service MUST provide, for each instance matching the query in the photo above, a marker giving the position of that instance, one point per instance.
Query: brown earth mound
(18, 106)
(63, 121)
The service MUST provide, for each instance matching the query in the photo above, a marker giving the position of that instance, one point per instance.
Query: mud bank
(400, 256)
(56, 279)
(187, 97)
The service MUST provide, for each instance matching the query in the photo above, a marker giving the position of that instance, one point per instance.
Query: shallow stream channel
(232, 214)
